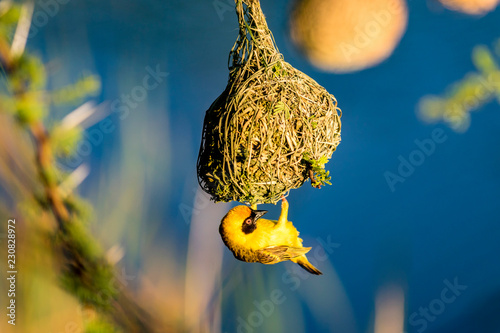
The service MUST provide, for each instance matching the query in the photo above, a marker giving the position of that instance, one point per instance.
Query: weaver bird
(253, 239)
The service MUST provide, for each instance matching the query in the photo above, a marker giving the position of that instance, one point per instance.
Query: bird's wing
(275, 254)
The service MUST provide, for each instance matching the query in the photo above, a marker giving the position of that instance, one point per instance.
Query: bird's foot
(284, 210)
(284, 203)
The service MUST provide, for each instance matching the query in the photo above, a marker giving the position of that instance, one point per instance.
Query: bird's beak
(257, 214)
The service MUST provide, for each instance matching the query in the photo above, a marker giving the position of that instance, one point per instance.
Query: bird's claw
(284, 211)
(284, 203)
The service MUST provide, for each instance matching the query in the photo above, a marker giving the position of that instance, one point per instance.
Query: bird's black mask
(249, 224)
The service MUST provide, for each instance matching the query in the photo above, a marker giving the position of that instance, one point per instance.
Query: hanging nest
(272, 128)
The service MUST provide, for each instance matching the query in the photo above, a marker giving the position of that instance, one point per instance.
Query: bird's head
(240, 221)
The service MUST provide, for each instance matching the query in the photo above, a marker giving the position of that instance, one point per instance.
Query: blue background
(441, 223)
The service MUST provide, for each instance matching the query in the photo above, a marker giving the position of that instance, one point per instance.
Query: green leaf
(64, 141)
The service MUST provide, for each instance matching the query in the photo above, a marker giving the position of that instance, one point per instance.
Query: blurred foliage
(470, 94)
(84, 269)
(86, 273)
(65, 140)
(100, 326)
(29, 74)
(89, 85)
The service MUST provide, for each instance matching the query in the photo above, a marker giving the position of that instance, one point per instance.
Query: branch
(83, 269)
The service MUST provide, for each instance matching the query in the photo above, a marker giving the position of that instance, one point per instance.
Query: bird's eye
(248, 221)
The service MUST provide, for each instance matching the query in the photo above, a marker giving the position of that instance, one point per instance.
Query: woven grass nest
(272, 128)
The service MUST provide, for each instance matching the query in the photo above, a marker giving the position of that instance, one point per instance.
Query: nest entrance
(271, 128)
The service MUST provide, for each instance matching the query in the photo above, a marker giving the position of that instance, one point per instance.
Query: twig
(44, 162)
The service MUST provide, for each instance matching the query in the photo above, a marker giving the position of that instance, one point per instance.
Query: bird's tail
(305, 264)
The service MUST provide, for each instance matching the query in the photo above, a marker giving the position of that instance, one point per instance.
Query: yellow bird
(253, 239)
